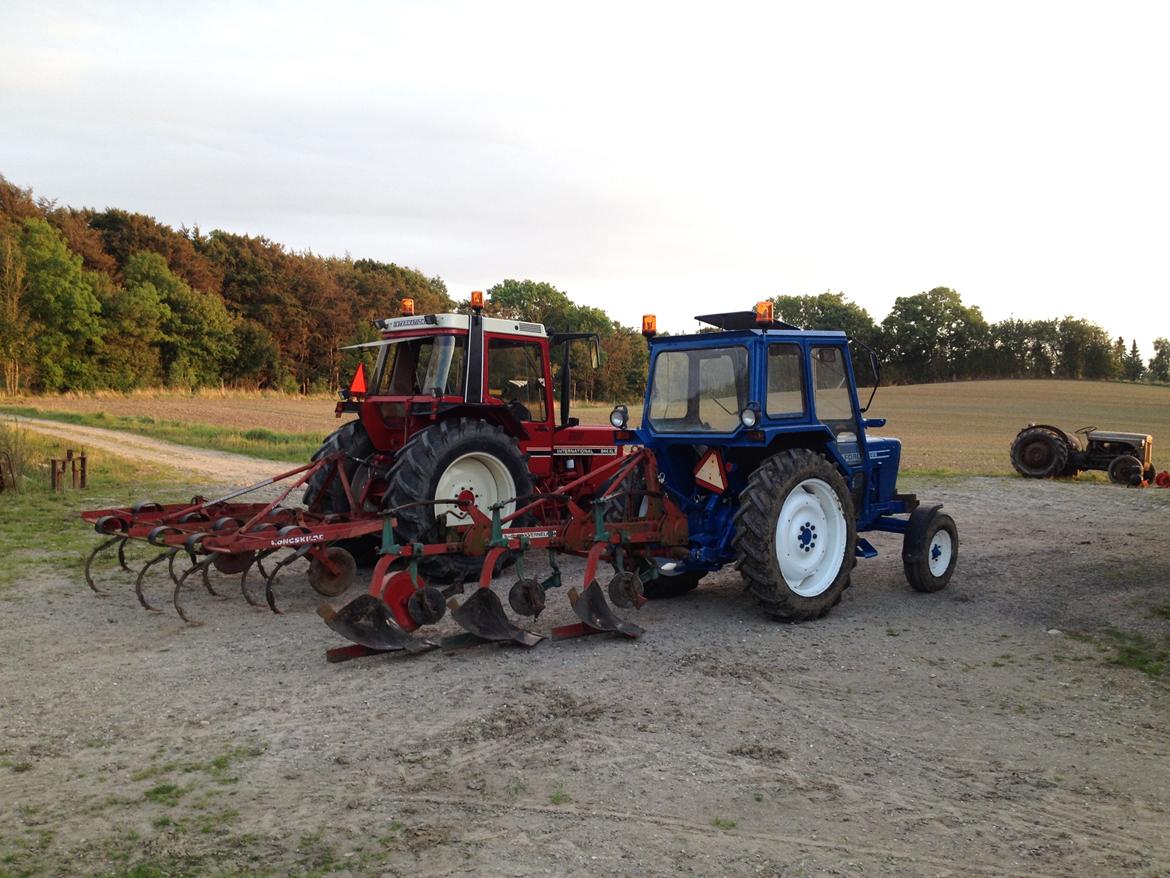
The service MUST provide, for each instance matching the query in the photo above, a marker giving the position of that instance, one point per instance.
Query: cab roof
(460, 321)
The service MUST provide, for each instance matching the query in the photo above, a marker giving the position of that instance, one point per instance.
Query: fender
(912, 543)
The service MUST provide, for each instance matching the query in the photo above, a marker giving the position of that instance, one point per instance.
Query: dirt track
(962, 733)
(219, 465)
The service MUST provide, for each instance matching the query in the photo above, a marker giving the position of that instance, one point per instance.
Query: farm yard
(1015, 723)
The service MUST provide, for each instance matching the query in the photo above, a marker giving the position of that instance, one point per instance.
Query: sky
(664, 158)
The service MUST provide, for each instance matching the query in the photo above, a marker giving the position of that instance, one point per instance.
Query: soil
(977, 731)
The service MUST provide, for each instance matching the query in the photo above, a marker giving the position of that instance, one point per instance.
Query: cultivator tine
(200, 566)
(122, 555)
(207, 579)
(270, 580)
(165, 555)
(483, 615)
(101, 547)
(258, 563)
(595, 612)
(368, 622)
(171, 567)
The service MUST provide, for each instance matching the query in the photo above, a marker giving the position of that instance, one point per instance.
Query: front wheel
(929, 553)
(796, 536)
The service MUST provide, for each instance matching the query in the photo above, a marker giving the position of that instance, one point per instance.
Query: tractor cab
(720, 403)
(435, 367)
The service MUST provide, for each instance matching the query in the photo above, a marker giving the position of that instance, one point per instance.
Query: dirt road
(978, 731)
(238, 469)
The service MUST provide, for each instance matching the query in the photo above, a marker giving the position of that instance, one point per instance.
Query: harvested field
(964, 427)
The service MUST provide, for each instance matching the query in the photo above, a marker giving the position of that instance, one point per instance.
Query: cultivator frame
(235, 537)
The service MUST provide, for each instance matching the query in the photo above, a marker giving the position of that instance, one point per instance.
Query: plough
(236, 538)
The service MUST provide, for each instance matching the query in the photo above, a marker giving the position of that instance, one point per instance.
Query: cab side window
(834, 404)
(785, 381)
(516, 378)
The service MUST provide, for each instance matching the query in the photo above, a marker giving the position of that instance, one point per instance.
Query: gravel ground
(977, 731)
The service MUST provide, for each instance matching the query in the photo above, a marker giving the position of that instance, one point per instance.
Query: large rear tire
(352, 439)
(442, 461)
(796, 535)
(1040, 453)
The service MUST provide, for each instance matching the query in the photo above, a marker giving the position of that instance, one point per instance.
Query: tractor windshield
(420, 366)
(699, 391)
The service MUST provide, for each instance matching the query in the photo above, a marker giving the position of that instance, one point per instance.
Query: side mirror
(595, 353)
(874, 423)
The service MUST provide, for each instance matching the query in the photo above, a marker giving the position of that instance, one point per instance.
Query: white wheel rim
(942, 548)
(485, 476)
(810, 538)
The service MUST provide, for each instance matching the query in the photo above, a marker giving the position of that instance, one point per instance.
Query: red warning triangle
(357, 387)
(710, 473)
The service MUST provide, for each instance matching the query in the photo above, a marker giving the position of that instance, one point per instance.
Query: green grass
(41, 528)
(256, 442)
(560, 797)
(724, 824)
(1140, 652)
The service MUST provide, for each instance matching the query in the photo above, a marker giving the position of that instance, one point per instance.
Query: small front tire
(929, 558)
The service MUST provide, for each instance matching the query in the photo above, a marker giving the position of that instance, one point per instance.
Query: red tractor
(457, 406)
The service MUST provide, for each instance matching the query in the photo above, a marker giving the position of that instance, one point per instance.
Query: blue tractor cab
(760, 437)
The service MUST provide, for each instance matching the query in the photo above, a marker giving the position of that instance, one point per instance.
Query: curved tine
(269, 595)
(207, 579)
(257, 563)
(171, 568)
(179, 587)
(122, 555)
(165, 554)
(89, 563)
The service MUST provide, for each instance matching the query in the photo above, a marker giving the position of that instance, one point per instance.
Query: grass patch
(256, 442)
(724, 824)
(165, 794)
(1140, 653)
(1162, 611)
(560, 797)
(38, 527)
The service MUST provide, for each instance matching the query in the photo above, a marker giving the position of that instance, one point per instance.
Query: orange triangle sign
(357, 387)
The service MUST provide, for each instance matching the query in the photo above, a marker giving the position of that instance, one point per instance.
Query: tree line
(933, 336)
(116, 300)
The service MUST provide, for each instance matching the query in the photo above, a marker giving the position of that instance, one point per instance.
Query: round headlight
(749, 417)
(619, 417)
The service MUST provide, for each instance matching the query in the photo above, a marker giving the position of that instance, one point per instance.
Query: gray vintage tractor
(1041, 451)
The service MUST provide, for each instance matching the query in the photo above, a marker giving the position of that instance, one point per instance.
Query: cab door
(517, 378)
(835, 402)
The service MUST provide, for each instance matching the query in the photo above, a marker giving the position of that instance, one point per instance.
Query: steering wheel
(519, 411)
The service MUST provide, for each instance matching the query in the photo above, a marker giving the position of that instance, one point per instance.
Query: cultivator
(236, 538)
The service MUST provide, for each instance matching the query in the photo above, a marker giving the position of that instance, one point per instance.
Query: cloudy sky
(643, 157)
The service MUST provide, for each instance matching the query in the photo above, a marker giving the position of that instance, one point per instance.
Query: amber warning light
(408, 307)
(763, 312)
(649, 325)
(477, 300)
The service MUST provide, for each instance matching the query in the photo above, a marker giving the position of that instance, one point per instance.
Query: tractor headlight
(750, 416)
(619, 417)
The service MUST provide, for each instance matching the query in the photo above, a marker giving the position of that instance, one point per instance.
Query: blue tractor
(761, 439)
